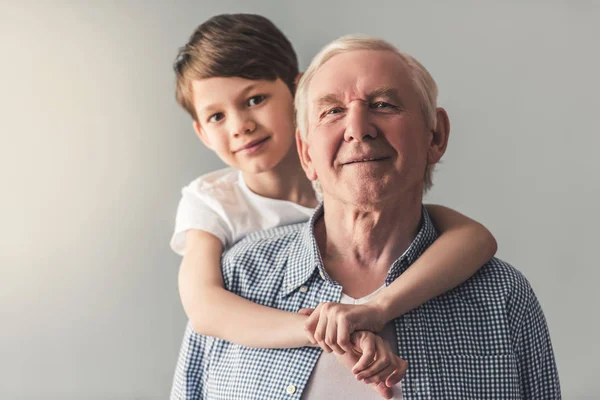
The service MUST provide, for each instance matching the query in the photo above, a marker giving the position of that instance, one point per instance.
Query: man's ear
(439, 137)
(201, 134)
(304, 156)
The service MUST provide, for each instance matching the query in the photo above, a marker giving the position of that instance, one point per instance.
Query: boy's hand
(331, 324)
(371, 360)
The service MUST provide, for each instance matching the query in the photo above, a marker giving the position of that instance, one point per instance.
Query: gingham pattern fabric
(486, 339)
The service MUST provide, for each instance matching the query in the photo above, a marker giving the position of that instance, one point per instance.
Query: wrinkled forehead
(355, 74)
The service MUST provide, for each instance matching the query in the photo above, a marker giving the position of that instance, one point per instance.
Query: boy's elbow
(489, 242)
(199, 325)
(198, 314)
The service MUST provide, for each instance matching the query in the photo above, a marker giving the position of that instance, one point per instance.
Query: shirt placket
(412, 346)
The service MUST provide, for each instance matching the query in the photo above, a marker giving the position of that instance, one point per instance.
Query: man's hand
(331, 324)
(371, 360)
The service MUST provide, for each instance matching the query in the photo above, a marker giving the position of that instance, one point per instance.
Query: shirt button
(303, 289)
(291, 389)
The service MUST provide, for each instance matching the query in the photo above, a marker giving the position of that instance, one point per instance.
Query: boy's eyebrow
(210, 107)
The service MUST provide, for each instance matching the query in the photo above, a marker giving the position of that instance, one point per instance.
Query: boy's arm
(214, 311)
(463, 247)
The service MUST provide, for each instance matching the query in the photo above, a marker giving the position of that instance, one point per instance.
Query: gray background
(94, 151)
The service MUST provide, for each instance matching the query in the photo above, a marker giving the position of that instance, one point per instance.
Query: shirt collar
(304, 258)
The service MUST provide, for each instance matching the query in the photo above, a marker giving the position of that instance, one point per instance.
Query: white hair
(423, 83)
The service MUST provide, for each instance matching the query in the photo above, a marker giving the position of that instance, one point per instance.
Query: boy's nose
(243, 125)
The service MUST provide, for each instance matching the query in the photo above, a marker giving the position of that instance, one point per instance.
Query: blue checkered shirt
(486, 339)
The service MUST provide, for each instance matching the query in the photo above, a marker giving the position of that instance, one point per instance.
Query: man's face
(248, 123)
(367, 137)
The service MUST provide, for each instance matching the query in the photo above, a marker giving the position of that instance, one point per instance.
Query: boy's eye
(255, 100)
(216, 117)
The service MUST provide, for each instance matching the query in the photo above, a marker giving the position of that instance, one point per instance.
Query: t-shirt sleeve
(198, 211)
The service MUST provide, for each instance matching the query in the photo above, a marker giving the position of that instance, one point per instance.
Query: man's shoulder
(266, 240)
(498, 281)
(500, 274)
(263, 251)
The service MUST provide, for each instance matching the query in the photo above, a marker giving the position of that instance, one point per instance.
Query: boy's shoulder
(215, 181)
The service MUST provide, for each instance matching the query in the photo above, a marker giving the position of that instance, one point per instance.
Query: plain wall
(94, 152)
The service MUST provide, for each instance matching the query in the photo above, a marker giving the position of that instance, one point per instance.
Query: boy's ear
(297, 80)
(304, 156)
(201, 134)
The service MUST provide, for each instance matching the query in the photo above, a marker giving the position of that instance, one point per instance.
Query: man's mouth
(365, 160)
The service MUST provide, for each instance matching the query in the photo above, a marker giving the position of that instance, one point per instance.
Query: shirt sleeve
(189, 382)
(537, 367)
(201, 212)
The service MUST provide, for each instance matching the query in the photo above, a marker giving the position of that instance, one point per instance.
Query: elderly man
(370, 133)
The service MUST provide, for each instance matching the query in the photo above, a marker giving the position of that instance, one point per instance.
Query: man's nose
(359, 127)
(241, 124)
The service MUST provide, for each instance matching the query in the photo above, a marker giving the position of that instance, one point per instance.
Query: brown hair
(234, 45)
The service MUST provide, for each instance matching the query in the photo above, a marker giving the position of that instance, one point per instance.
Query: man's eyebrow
(386, 92)
(327, 100)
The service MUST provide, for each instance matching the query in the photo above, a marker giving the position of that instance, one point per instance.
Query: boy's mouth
(253, 144)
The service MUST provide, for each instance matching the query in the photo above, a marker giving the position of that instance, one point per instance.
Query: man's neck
(287, 181)
(368, 239)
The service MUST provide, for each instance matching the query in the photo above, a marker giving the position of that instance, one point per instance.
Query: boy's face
(248, 123)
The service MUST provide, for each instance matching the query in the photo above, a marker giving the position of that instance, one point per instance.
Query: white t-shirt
(330, 380)
(220, 203)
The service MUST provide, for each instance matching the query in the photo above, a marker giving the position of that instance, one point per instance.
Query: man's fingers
(306, 311)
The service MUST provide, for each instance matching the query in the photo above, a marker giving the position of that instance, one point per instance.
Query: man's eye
(216, 117)
(381, 104)
(335, 110)
(256, 100)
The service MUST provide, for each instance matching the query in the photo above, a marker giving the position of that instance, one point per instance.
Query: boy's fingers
(331, 337)
(380, 368)
(394, 378)
(368, 354)
(311, 324)
(343, 337)
(380, 376)
(320, 332)
(382, 390)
